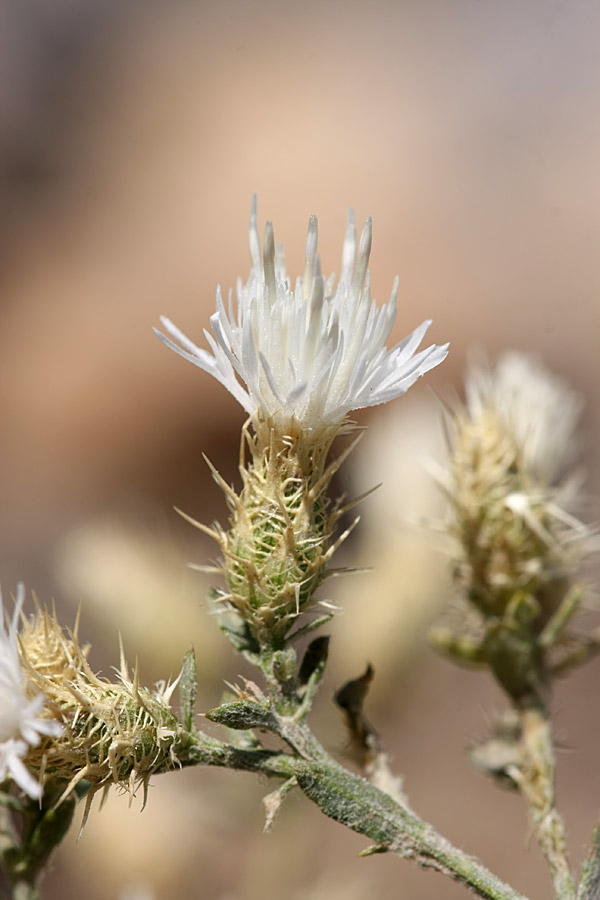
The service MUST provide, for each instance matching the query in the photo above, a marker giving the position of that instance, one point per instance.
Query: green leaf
(460, 648)
(284, 665)
(272, 802)
(352, 801)
(243, 714)
(239, 635)
(310, 626)
(187, 689)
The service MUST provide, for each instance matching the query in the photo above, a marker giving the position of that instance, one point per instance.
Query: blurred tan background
(131, 138)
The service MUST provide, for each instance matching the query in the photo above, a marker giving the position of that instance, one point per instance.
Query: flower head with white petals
(313, 354)
(20, 724)
(536, 407)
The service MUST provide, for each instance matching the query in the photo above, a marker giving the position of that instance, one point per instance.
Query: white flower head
(538, 409)
(20, 725)
(313, 354)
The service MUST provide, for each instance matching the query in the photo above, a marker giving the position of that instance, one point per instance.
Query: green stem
(536, 782)
(23, 890)
(200, 750)
(353, 801)
(26, 855)
(589, 887)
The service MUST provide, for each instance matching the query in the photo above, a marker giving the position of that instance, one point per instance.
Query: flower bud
(518, 548)
(510, 530)
(114, 732)
(280, 536)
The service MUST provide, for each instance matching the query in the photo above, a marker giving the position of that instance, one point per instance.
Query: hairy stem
(353, 801)
(589, 887)
(25, 851)
(366, 809)
(536, 782)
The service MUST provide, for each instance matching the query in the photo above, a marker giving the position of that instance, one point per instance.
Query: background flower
(536, 407)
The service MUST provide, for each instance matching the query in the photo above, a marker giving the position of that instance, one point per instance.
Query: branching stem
(351, 800)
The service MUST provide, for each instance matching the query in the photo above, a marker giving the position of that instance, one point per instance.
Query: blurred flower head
(536, 409)
(518, 548)
(511, 514)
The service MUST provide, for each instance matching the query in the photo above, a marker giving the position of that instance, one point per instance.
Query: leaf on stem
(187, 688)
(272, 802)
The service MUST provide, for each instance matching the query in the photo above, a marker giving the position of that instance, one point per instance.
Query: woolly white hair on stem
(309, 355)
(20, 725)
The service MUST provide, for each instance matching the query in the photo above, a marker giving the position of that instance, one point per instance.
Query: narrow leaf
(187, 689)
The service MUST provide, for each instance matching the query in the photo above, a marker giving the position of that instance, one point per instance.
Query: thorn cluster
(280, 541)
(518, 548)
(114, 732)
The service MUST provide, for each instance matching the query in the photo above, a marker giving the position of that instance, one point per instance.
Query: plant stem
(366, 809)
(353, 801)
(536, 782)
(25, 852)
(24, 890)
(589, 887)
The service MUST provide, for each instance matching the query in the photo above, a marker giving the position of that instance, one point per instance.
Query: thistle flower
(534, 406)
(115, 732)
(512, 439)
(518, 548)
(298, 361)
(21, 727)
(313, 354)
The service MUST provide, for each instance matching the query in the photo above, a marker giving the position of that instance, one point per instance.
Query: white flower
(20, 727)
(312, 354)
(536, 407)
